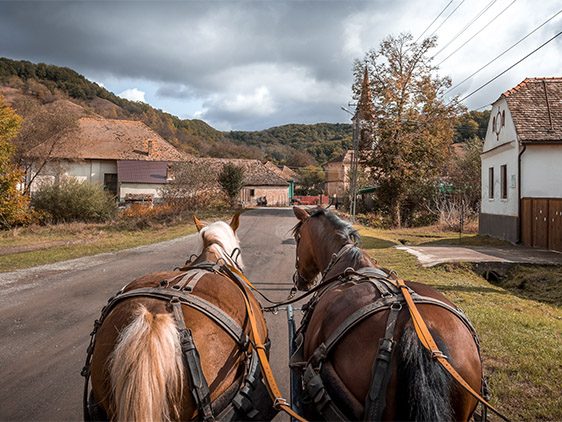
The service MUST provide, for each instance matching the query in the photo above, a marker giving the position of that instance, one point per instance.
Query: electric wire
(446, 19)
(509, 68)
(482, 29)
(429, 26)
(504, 52)
(468, 25)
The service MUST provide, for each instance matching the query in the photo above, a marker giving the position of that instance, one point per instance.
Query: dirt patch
(538, 282)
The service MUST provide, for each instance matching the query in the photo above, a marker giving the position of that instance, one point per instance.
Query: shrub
(72, 200)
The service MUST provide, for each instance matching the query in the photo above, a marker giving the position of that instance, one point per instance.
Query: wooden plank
(555, 224)
(540, 223)
(527, 221)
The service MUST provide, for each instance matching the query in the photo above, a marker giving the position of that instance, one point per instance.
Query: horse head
(220, 240)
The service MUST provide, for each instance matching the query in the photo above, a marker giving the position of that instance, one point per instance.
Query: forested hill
(295, 145)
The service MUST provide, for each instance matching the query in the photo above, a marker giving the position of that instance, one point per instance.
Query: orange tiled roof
(107, 139)
(536, 107)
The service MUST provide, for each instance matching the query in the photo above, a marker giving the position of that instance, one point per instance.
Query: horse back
(349, 366)
(221, 356)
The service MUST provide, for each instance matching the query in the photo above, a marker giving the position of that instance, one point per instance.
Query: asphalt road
(47, 312)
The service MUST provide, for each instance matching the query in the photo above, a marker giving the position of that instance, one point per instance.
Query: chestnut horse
(175, 345)
(359, 356)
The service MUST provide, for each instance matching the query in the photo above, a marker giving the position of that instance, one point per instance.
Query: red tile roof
(536, 107)
(108, 139)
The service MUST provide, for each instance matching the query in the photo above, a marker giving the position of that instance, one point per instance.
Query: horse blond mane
(147, 370)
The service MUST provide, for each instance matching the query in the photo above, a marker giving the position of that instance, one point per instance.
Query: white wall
(277, 196)
(141, 188)
(500, 149)
(541, 171)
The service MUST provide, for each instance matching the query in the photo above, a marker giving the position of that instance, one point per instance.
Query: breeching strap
(429, 343)
(278, 401)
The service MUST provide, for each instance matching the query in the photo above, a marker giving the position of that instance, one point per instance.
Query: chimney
(149, 152)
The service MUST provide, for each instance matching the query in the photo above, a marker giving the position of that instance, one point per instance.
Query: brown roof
(536, 107)
(255, 172)
(282, 171)
(107, 139)
(142, 171)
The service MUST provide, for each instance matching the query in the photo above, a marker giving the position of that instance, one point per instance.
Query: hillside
(290, 144)
(295, 145)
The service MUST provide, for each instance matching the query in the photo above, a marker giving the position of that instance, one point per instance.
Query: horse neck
(331, 245)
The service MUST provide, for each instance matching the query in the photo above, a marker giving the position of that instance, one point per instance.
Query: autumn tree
(231, 180)
(414, 125)
(13, 205)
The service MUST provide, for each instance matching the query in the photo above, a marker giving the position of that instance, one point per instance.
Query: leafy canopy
(231, 180)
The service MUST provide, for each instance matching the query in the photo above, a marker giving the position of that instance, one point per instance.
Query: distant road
(47, 312)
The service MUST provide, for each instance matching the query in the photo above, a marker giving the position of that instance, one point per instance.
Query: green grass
(521, 338)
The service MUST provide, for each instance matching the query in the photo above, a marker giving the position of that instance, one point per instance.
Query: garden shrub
(72, 200)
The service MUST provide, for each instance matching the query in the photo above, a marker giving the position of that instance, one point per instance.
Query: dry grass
(37, 245)
(521, 338)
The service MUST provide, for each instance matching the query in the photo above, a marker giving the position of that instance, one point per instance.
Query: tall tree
(13, 205)
(414, 126)
(231, 179)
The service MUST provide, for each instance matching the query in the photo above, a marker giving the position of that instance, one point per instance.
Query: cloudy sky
(246, 65)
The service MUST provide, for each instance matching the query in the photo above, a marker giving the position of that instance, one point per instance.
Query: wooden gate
(541, 223)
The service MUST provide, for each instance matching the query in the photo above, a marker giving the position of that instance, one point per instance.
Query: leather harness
(177, 290)
(393, 296)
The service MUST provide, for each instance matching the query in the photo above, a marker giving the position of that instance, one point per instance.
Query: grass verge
(521, 338)
(38, 245)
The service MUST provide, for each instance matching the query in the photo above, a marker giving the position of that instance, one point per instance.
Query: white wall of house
(153, 189)
(541, 171)
(500, 148)
(277, 196)
(86, 171)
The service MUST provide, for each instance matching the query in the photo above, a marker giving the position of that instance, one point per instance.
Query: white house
(126, 157)
(522, 165)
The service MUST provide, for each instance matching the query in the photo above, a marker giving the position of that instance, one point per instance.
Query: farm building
(260, 182)
(127, 157)
(521, 165)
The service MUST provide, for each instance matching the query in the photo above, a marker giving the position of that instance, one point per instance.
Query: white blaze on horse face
(220, 233)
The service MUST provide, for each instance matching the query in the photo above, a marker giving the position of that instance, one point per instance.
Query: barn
(521, 165)
(127, 157)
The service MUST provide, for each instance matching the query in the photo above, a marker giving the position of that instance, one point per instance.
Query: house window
(503, 118)
(491, 183)
(252, 192)
(503, 176)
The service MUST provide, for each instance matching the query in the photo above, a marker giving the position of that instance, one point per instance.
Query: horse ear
(235, 222)
(300, 213)
(198, 223)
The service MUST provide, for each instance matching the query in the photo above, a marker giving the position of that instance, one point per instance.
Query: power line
(468, 25)
(429, 26)
(510, 67)
(483, 28)
(501, 54)
(446, 19)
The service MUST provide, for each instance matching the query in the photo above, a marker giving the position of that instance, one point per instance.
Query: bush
(72, 200)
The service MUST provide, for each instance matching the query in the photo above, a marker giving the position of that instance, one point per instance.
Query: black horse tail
(426, 384)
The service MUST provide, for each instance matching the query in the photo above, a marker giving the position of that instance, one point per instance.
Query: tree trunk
(395, 212)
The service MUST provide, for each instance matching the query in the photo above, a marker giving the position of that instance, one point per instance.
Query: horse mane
(219, 233)
(343, 228)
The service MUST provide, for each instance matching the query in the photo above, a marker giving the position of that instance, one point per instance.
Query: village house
(521, 165)
(261, 185)
(127, 157)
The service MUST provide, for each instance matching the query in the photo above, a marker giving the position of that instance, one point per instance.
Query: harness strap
(215, 313)
(429, 343)
(198, 383)
(279, 402)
